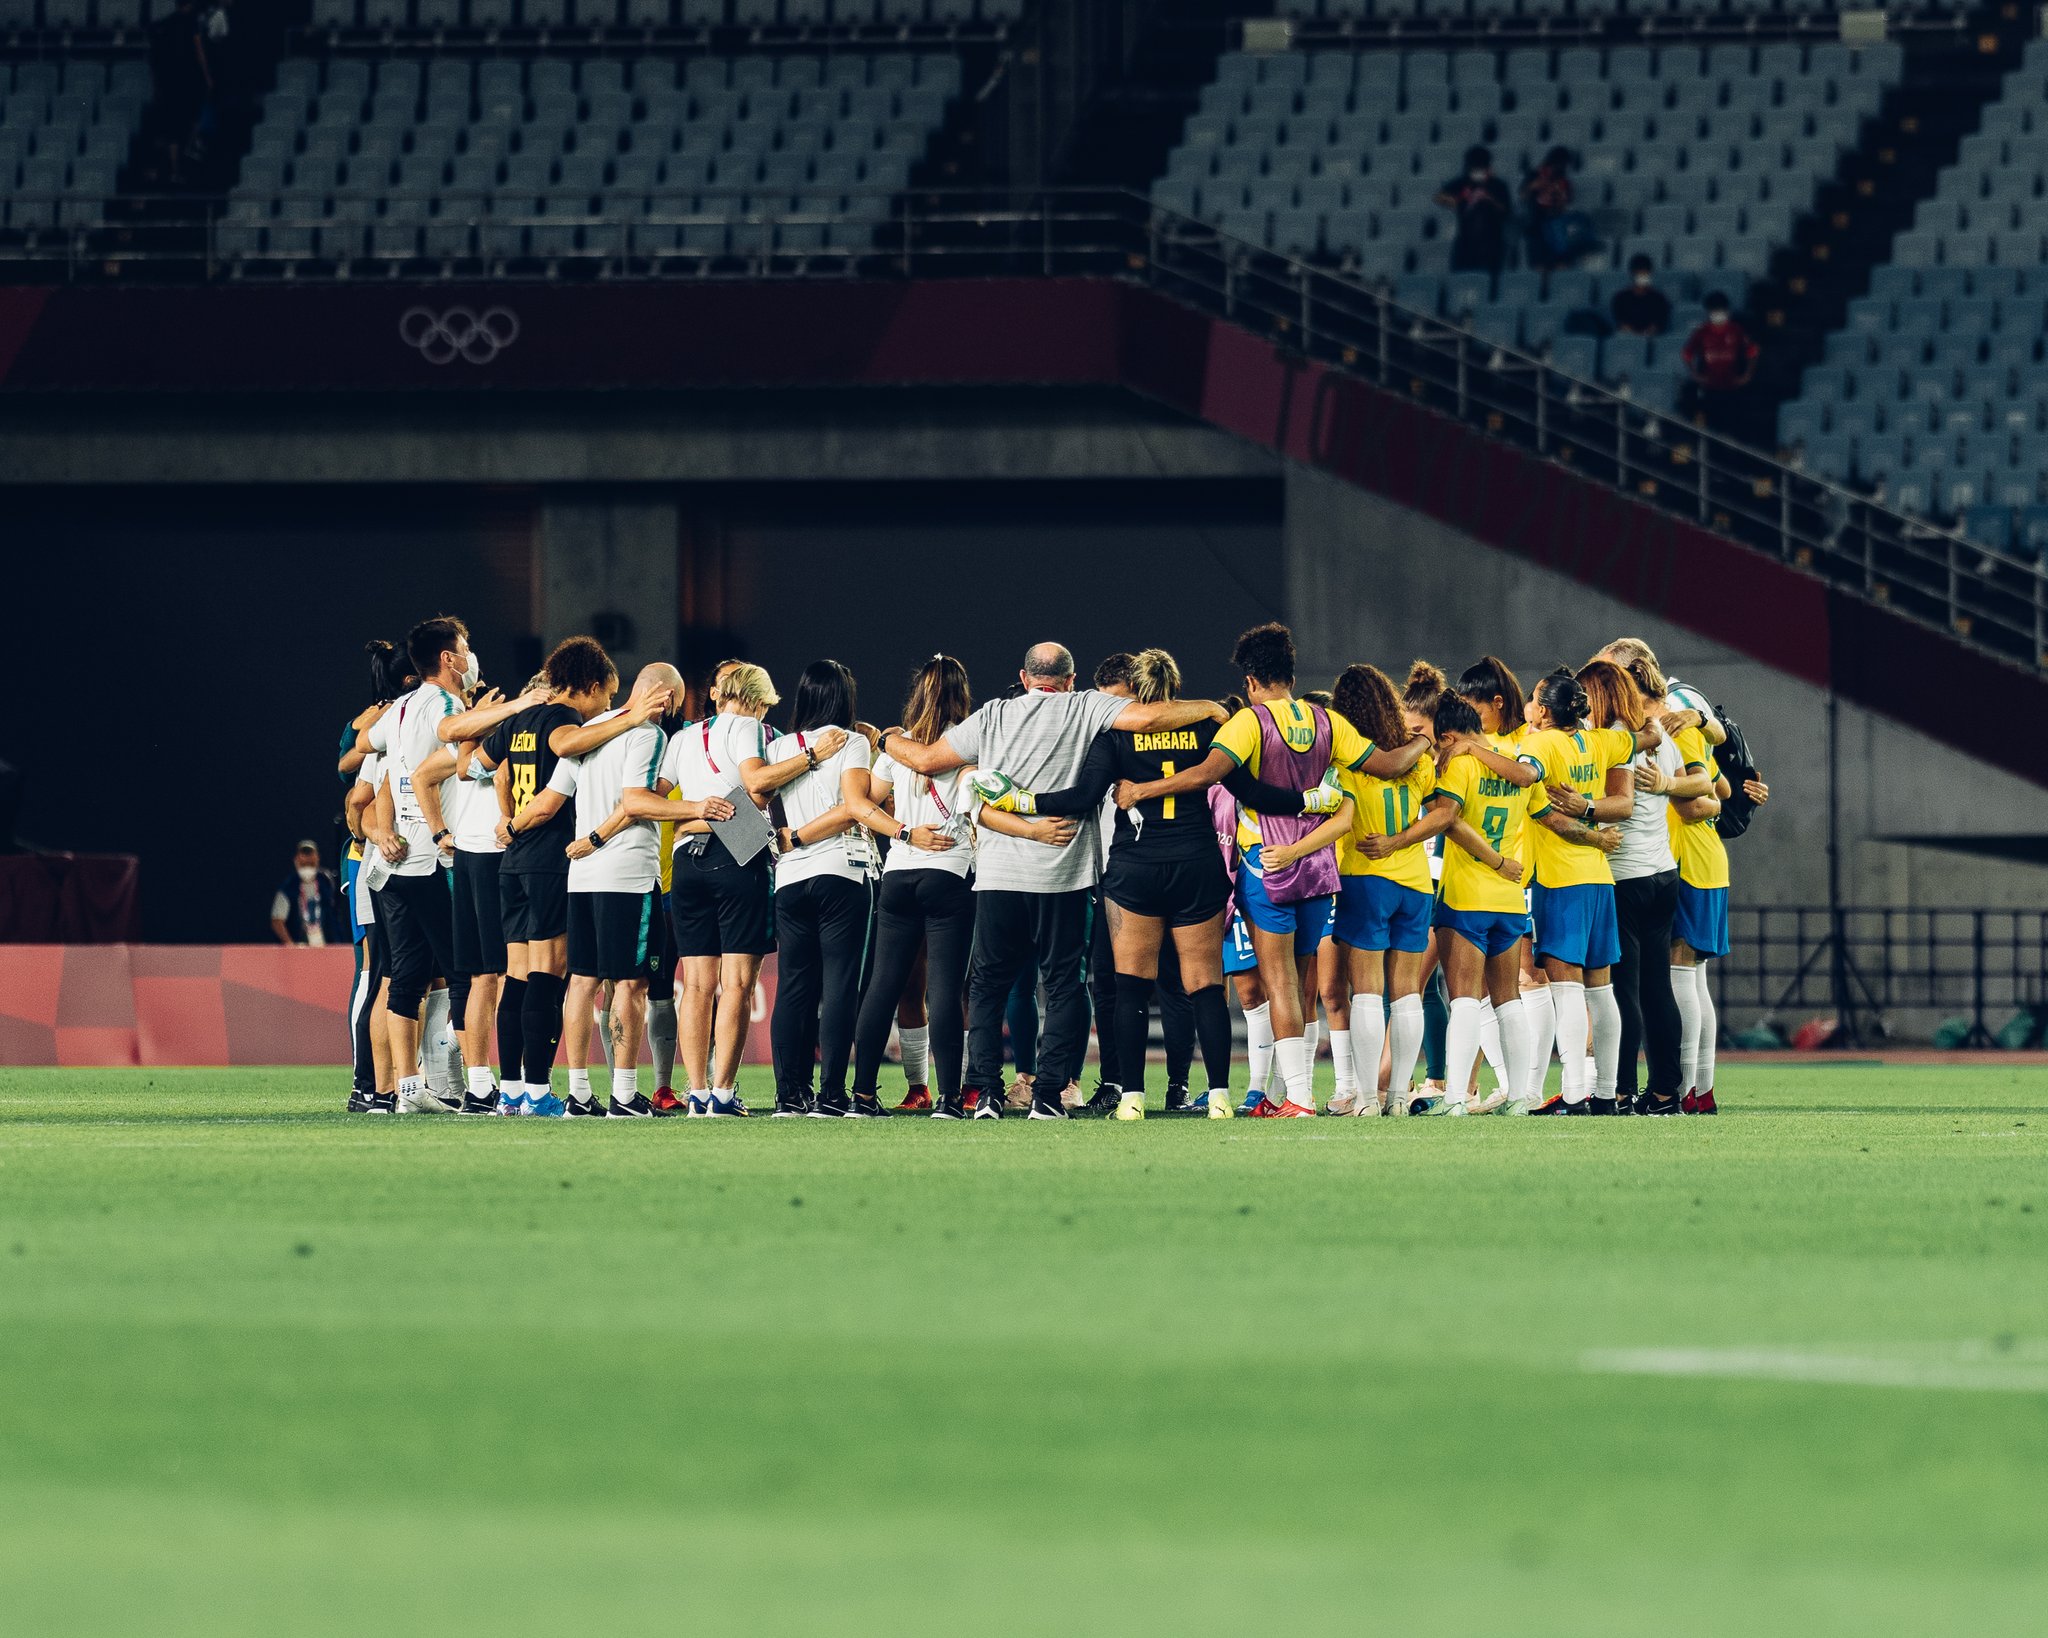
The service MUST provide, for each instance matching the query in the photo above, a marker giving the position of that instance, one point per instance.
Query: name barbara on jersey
(1178, 739)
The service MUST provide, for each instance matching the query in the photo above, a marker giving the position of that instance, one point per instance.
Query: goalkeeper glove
(1326, 797)
(1001, 792)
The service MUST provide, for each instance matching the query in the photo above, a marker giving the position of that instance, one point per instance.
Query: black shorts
(533, 905)
(417, 914)
(479, 923)
(1180, 892)
(663, 988)
(613, 935)
(721, 908)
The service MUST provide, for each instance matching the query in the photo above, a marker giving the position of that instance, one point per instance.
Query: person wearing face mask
(1720, 357)
(1641, 309)
(306, 909)
(1482, 203)
(414, 905)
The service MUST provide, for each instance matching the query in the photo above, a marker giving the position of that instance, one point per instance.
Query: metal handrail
(1997, 601)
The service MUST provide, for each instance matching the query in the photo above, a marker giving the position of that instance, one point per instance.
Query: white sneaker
(1131, 1106)
(424, 1100)
(1397, 1102)
(1493, 1101)
(1519, 1106)
(1342, 1103)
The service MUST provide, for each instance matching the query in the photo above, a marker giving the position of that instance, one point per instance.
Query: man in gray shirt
(1032, 902)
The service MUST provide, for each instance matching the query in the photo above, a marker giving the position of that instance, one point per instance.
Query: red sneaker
(1690, 1103)
(1703, 1103)
(1290, 1110)
(665, 1098)
(970, 1098)
(918, 1097)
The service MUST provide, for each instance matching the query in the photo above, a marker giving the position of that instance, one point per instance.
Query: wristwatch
(596, 840)
(443, 831)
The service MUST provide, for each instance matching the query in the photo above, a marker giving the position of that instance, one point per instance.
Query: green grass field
(273, 1370)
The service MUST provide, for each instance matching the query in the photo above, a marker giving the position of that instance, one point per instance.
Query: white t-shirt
(1684, 697)
(371, 773)
(1039, 739)
(703, 758)
(407, 734)
(475, 800)
(851, 854)
(944, 802)
(631, 861)
(1645, 834)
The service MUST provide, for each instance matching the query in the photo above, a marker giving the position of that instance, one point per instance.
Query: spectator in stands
(183, 81)
(306, 909)
(1720, 358)
(1557, 232)
(1482, 204)
(1640, 308)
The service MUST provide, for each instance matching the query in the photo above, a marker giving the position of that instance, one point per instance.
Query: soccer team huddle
(553, 874)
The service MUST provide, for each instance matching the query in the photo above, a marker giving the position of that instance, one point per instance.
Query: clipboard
(747, 832)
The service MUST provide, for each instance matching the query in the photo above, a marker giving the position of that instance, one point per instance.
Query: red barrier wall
(163, 1005)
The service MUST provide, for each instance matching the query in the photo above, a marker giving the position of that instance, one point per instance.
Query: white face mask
(476, 670)
(1477, 176)
(308, 872)
(1642, 281)
(1717, 318)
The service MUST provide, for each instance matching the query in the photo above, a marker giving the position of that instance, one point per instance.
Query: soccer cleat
(1252, 1100)
(1046, 1109)
(986, 1105)
(424, 1100)
(1131, 1106)
(1108, 1099)
(1177, 1101)
(1456, 1106)
(829, 1106)
(1557, 1106)
(968, 1101)
(1703, 1103)
(1290, 1110)
(547, 1106)
(916, 1099)
(665, 1101)
(1400, 1103)
(637, 1109)
(1199, 1106)
(725, 1108)
(1657, 1103)
(373, 1103)
(790, 1107)
(1603, 1106)
(514, 1103)
(583, 1109)
(1343, 1103)
(866, 1106)
(1520, 1106)
(1491, 1104)
(953, 1108)
(1001, 792)
(1218, 1106)
(474, 1105)
(697, 1105)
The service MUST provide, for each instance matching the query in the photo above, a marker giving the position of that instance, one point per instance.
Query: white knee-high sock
(1490, 1043)
(1710, 1032)
(1513, 1020)
(1368, 1037)
(1461, 1045)
(1606, 1011)
(1685, 990)
(1311, 1041)
(440, 1052)
(1292, 1057)
(1346, 1066)
(1539, 1015)
(917, 1054)
(1404, 1032)
(1258, 1043)
(1568, 1000)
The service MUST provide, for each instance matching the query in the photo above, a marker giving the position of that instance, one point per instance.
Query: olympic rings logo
(461, 332)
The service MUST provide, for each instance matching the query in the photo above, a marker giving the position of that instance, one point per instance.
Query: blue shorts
(1238, 954)
(1702, 919)
(1577, 924)
(1489, 931)
(1309, 921)
(1374, 913)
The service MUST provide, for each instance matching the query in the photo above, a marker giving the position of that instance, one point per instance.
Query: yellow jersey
(1702, 855)
(667, 829)
(1497, 809)
(1581, 760)
(1510, 745)
(1386, 807)
(1241, 735)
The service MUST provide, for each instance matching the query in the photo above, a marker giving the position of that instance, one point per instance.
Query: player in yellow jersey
(1286, 743)
(1585, 773)
(1699, 932)
(1482, 920)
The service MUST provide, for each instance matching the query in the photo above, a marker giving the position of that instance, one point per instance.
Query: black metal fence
(1870, 969)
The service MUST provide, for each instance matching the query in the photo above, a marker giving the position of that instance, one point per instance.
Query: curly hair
(579, 665)
(1366, 699)
(1424, 687)
(1266, 654)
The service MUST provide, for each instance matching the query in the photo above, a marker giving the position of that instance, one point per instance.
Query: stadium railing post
(1542, 408)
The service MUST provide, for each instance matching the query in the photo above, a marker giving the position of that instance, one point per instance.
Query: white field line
(1973, 1369)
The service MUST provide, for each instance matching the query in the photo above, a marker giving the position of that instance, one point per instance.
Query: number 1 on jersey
(1166, 806)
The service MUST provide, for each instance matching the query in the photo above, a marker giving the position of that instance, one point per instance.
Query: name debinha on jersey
(1492, 784)
(1176, 739)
